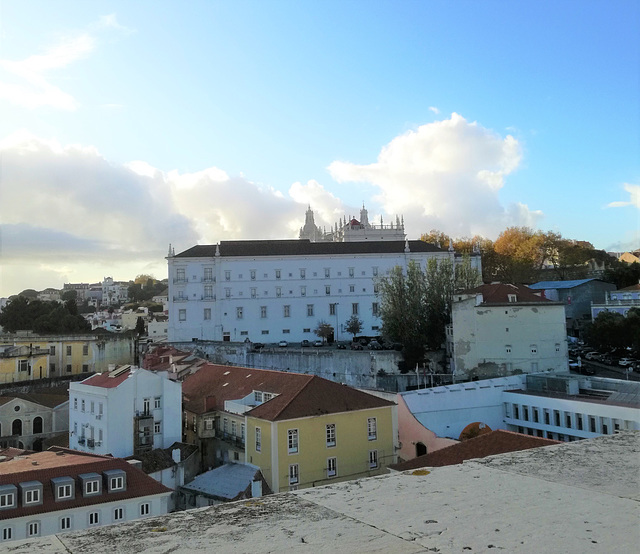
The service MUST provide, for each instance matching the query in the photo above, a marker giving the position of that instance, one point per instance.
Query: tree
(623, 274)
(141, 328)
(42, 317)
(70, 294)
(436, 237)
(353, 325)
(323, 330)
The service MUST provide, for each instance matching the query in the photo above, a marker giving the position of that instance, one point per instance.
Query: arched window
(16, 427)
(37, 425)
(421, 449)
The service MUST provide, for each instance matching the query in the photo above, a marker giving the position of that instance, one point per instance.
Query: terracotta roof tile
(498, 293)
(105, 380)
(70, 463)
(496, 442)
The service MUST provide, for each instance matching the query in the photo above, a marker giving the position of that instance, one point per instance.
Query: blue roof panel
(543, 285)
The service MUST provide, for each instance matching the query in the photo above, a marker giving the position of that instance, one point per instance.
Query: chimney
(176, 455)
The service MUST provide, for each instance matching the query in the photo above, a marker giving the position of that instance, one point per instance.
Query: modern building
(58, 491)
(618, 301)
(27, 420)
(114, 292)
(577, 296)
(300, 430)
(561, 407)
(124, 412)
(502, 329)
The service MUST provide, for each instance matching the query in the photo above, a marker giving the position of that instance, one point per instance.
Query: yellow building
(28, 356)
(301, 430)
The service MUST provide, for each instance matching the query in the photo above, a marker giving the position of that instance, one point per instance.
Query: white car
(624, 362)
(283, 344)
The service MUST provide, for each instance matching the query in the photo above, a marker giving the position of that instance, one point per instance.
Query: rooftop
(560, 284)
(489, 444)
(297, 395)
(579, 497)
(500, 293)
(303, 247)
(225, 482)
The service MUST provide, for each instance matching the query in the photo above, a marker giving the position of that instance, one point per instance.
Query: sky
(128, 126)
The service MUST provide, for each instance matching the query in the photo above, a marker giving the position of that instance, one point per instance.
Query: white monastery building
(501, 329)
(272, 290)
(124, 412)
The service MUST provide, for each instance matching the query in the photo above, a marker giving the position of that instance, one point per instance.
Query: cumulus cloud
(634, 197)
(66, 206)
(444, 175)
(434, 110)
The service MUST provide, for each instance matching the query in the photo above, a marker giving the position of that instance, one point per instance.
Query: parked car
(318, 343)
(593, 356)
(375, 345)
(305, 343)
(341, 346)
(356, 346)
(283, 344)
(258, 346)
(626, 362)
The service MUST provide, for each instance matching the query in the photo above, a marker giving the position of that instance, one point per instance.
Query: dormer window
(31, 493)
(63, 488)
(116, 480)
(8, 494)
(91, 484)
(257, 396)
(512, 298)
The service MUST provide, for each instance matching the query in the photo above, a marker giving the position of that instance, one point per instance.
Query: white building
(501, 329)
(58, 491)
(271, 290)
(124, 412)
(556, 406)
(114, 292)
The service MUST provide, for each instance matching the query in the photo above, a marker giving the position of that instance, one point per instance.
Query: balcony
(208, 298)
(180, 280)
(208, 280)
(180, 298)
(232, 439)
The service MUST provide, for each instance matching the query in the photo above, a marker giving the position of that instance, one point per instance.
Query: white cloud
(434, 110)
(66, 207)
(27, 82)
(634, 197)
(444, 175)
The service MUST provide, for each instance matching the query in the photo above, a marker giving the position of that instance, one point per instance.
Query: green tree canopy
(323, 330)
(353, 325)
(42, 317)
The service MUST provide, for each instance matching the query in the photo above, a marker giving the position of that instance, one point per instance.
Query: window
(263, 312)
(65, 523)
(145, 509)
(507, 349)
(239, 312)
(375, 309)
(156, 403)
(372, 430)
(327, 273)
(592, 424)
(534, 349)
(32, 496)
(332, 467)
(257, 396)
(208, 424)
(303, 274)
(75, 403)
(227, 292)
(208, 274)
(309, 310)
(278, 292)
(208, 292)
(258, 439)
(525, 411)
(292, 441)
(94, 518)
(294, 474)
(68, 350)
(546, 417)
(64, 491)
(68, 368)
(567, 420)
(536, 417)
(180, 275)
(92, 487)
(579, 421)
(286, 311)
(118, 514)
(7, 533)
(303, 291)
(182, 315)
(52, 350)
(332, 309)
(33, 529)
(7, 500)
(373, 459)
(146, 406)
(557, 347)
(23, 365)
(234, 428)
(327, 289)
(352, 288)
(85, 368)
(227, 276)
(331, 434)
(116, 483)
(354, 308)
(376, 288)
(556, 418)
(92, 407)
(512, 297)
(351, 272)
(157, 427)
(374, 270)
(252, 274)
(85, 350)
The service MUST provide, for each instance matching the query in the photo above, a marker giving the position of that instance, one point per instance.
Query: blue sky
(128, 125)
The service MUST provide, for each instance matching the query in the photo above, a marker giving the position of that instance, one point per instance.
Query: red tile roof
(496, 442)
(498, 293)
(105, 380)
(44, 466)
(298, 395)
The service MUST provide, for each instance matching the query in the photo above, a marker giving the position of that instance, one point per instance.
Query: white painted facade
(50, 523)
(103, 420)
(268, 298)
(497, 340)
(583, 407)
